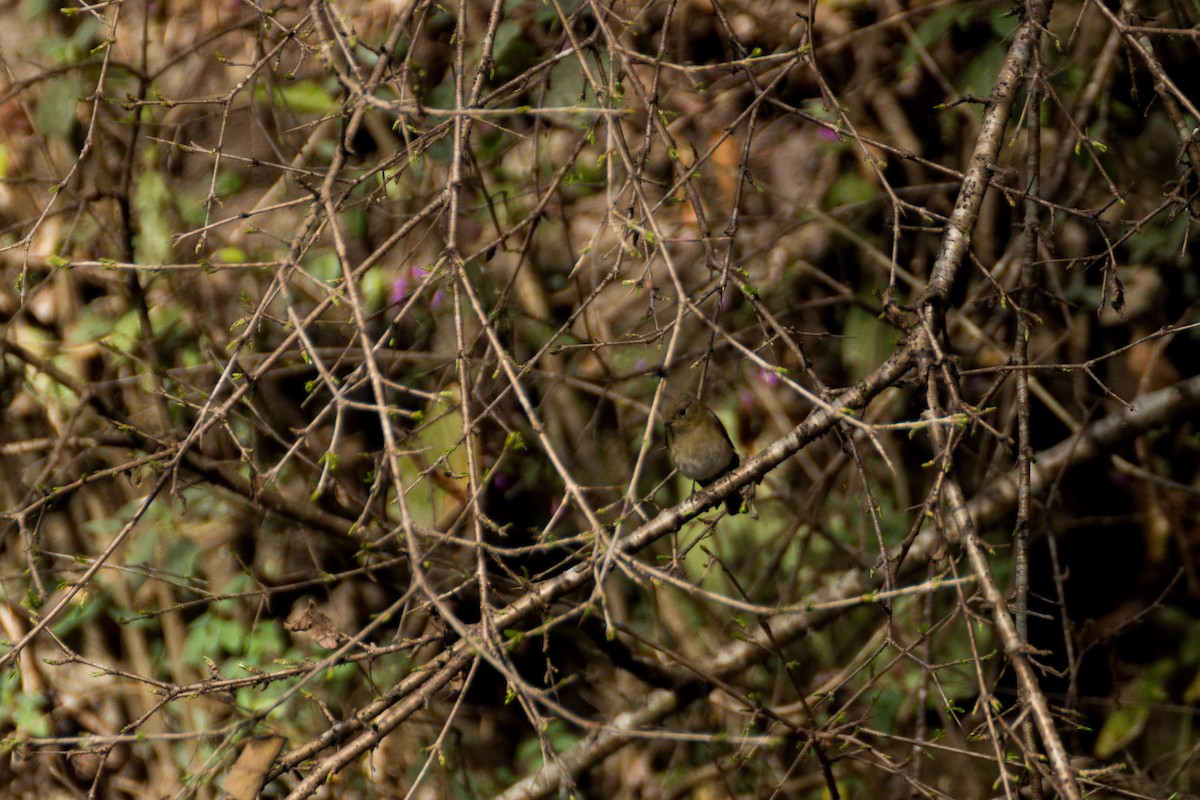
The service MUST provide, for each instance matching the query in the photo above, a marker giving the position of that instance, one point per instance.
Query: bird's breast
(704, 467)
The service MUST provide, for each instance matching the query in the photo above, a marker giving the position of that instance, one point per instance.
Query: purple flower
(403, 284)
(400, 287)
(769, 377)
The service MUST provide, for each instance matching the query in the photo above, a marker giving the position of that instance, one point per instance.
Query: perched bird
(698, 444)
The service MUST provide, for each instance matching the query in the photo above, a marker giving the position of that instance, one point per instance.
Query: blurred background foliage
(329, 329)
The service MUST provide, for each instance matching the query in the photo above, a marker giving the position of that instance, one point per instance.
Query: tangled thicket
(334, 333)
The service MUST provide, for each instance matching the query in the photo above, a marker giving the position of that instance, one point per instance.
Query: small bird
(698, 444)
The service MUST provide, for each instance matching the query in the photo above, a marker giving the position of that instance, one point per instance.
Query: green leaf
(1121, 727)
(305, 97)
(55, 113)
(152, 201)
